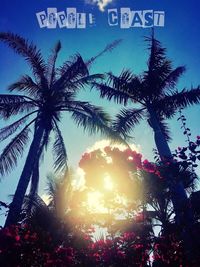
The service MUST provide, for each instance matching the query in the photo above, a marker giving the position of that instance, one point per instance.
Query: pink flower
(128, 152)
(17, 238)
(84, 159)
(106, 256)
(121, 254)
(129, 236)
(86, 237)
(69, 259)
(138, 246)
(138, 160)
(148, 166)
(97, 256)
(108, 242)
(26, 237)
(50, 263)
(107, 149)
(69, 251)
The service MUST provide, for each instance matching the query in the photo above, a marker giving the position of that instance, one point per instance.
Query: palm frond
(127, 119)
(4, 205)
(154, 80)
(93, 119)
(27, 85)
(120, 82)
(108, 48)
(52, 62)
(28, 51)
(51, 186)
(60, 193)
(85, 81)
(189, 178)
(90, 118)
(35, 209)
(15, 149)
(14, 104)
(172, 79)
(110, 93)
(12, 128)
(172, 102)
(11, 99)
(71, 71)
(157, 53)
(159, 68)
(37, 201)
(127, 82)
(59, 151)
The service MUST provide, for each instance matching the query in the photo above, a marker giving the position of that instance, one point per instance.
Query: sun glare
(103, 143)
(95, 202)
(108, 184)
(108, 194)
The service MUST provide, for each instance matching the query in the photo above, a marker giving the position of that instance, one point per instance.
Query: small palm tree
(40, 103)
(58, 216)
(156, 194)
(50, 216)
(156, 98)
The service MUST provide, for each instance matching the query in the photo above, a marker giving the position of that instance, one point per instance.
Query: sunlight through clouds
(95, 202)
(108, 184)
(103, 143)
(79, 182)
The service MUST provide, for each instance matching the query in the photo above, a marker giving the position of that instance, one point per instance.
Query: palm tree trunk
(16, 205)
(179, 196)
(160, 140)
(184, 215)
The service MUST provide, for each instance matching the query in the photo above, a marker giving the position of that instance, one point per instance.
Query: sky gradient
(181, 37)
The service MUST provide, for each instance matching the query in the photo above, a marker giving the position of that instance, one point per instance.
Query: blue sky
(181, 37)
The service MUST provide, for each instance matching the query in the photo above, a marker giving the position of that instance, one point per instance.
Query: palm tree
(40, 103)
(156, 194)
(50, 216)
(58, 216)
(156, 98)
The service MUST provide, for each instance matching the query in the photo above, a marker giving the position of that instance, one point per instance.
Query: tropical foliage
(153, 93)
(117, 209)
(155, 98)
(47, 237)
(41, 101)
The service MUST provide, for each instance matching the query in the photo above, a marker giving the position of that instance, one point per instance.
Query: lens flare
(106, 180)
(95, 202)
(108, 184)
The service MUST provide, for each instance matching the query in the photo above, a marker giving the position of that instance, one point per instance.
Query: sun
(95, 202)
(95, 199)
(104, 170)
(108, 183)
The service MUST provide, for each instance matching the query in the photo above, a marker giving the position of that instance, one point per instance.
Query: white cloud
(103, 143)
(100, 3)
(79, 182)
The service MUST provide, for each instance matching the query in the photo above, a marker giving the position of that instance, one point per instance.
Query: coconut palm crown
(154, 97)
(38, 106)
(154, 91)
